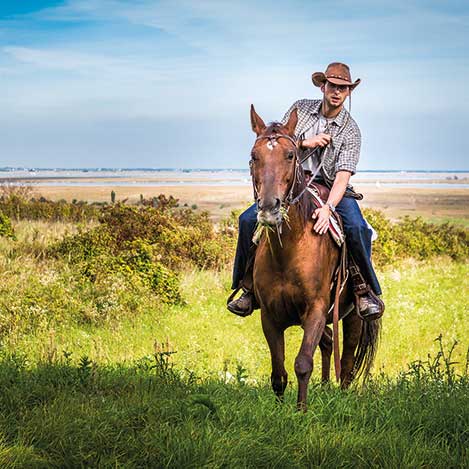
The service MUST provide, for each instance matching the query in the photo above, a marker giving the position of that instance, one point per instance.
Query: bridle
(290, 199)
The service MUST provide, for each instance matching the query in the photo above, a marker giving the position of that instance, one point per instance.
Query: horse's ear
(257, 123)
(292, 121)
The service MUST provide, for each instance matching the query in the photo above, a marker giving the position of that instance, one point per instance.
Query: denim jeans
(357, 235)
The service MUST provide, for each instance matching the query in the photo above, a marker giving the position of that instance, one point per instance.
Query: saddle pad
(334, 227)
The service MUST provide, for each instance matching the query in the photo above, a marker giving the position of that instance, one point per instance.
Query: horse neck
(297, 222)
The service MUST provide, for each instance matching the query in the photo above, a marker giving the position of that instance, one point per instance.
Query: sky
(151, 84)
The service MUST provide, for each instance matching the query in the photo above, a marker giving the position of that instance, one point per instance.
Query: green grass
(104, 375)
(457, 221)
(148, 414)
(423, 300)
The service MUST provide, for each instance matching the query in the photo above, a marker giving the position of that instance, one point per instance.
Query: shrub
(6, 230)
(140, 258)
(180, 238)
(42, 209)
(414, 237)
(149, 243)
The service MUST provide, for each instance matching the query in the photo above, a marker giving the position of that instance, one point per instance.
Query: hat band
(339, 77)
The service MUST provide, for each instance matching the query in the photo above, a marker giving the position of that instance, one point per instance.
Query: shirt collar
(338, 120)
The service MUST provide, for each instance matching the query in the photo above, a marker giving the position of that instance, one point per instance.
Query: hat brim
(319, 78)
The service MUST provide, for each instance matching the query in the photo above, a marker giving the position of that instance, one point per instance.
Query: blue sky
(116, 83)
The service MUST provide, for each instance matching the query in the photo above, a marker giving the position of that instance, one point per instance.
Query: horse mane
(306, 207)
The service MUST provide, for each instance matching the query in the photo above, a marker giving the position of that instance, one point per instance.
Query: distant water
(175, 177)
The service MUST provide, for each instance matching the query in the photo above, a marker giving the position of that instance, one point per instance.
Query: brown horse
(294, 268)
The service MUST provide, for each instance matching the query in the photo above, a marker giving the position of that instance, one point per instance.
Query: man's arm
(335, 196)
(346, 166)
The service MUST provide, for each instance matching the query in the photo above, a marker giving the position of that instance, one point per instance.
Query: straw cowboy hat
(337, 73)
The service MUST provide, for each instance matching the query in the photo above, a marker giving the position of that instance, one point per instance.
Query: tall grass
(150, 414)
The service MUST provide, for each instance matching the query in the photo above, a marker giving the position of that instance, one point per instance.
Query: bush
(180, 238)
(140, 258)
(414, 237)
(19, 208)
(6, 230)
(149, 243)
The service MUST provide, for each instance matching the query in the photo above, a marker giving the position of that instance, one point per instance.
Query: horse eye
(290, 155)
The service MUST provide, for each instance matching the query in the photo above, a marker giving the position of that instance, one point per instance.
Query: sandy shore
(438, 203)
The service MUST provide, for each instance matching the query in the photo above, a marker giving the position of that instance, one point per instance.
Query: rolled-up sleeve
(349, 153)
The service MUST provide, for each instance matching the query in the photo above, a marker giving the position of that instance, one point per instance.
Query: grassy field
(106, 375)
(423, 301)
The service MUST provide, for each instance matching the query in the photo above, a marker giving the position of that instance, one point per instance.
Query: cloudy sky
(146, 83)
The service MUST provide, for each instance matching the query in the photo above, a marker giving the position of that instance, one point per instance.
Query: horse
(294, 268)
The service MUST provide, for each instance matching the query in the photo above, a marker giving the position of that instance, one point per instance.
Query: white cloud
(212, 59)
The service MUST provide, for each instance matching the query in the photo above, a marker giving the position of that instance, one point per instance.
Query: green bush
(149, 243)
(19, 208)
(180, 238)
(140, 259)
(416, 238)
(6, 230)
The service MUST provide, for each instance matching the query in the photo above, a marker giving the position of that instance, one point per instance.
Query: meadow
(101, 367)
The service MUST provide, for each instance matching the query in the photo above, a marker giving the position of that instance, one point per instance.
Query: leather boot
(371, 306)
(244, 305)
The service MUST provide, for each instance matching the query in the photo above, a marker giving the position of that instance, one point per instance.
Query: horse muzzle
(269, 213)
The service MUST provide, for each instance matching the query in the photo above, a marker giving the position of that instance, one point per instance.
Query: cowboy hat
(337, 73)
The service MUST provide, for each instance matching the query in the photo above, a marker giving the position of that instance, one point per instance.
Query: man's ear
(292, 121)
(257, 123)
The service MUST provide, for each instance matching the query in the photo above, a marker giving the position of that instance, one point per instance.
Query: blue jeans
(357, 235)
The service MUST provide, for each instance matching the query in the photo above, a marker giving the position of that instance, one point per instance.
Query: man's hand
(322, 216)
(320, 140)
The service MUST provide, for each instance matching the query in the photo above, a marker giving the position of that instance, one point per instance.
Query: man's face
(335, 94)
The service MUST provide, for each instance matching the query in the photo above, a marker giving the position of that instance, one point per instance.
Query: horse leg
(276, 340)
(352, 326)
(325, 344)
(313, 329)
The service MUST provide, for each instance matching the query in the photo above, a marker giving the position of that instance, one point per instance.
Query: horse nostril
(259, 205)
(277, 204)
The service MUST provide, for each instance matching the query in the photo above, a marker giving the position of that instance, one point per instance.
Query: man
(331, 140)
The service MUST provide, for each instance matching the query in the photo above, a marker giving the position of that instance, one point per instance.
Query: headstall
(273, 140)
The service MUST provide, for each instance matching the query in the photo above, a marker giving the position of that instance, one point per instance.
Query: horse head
(275, 168)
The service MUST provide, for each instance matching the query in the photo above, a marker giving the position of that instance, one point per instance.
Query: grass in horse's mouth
(263, 227)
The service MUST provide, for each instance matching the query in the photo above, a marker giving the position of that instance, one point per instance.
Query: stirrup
(233, 307)
(376, 303)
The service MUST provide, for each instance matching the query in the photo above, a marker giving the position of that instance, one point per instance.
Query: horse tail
(367, 348)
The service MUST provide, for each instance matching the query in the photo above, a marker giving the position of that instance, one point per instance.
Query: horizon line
(96, 168)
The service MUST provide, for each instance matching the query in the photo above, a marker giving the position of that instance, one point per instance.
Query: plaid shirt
(344, 151)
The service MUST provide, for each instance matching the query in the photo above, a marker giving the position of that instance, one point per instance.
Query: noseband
(273, 140)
